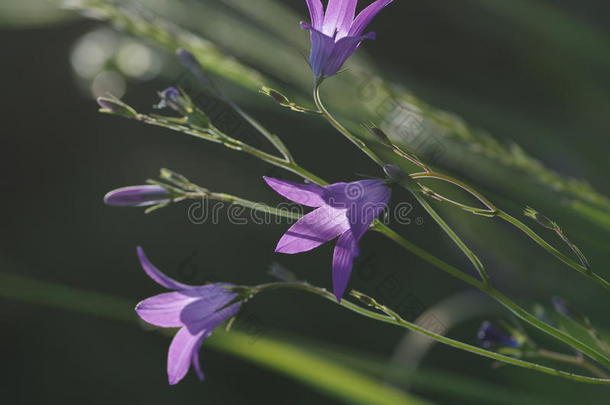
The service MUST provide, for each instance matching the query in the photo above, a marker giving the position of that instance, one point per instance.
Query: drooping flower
(196, 310)
(343, 210)
(336, 33)
(137, 196)
(490, 335)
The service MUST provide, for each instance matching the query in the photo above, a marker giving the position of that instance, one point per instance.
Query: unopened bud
(276, 95)
(138, 196)
(112, 105)
(381, 136)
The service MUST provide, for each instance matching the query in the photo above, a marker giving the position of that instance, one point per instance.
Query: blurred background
(531, 73)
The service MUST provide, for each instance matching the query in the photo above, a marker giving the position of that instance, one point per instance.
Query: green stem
(544, 244)
(252, 205)
(496, 295)
(337, 125)
(396, 320)
(491, 208)
(575, 360)
(474, 259)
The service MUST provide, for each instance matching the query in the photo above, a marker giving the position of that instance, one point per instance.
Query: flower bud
(176, 100)
(381, 136)
(112, 105)
(137, 196)
(179, 101)
(276, 95)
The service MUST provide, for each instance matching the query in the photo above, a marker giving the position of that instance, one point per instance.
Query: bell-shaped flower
(337, 32)
(196, 310)
(343, 210)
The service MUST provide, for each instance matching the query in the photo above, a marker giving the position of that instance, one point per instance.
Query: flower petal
(164, 310)
(366, 16)
(316, 12)
(312, 230)
(374, 200)
(157, 275)
(321, 47)
(304, 194)
(343, 49)
(209, 310)
(345, 252)
(181, 352)
(339, 17)
(195, 359)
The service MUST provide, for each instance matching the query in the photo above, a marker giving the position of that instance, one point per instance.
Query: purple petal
(321, 48)
(348, 195)
(195, 360)
(304, 194)
(196, 308)
(343, 49)
(181, 352)
(366, 16)
(137, 196)
(209, 310)
(157, 275)
(369, 207)
(312, 230)
(316, 12)
(339, 17)
(164, 310)
(345, 252)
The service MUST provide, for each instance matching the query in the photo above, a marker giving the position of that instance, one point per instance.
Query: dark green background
(59, 157)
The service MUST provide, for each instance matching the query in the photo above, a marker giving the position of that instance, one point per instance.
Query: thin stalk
(474, 259)
(491, 208)
(252, 205)
(544, 244)
(575, 360)
(396, 320)
(496, 295)
(337, 125)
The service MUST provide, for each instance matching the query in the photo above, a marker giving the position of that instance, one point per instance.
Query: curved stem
(438, 176)
(496, 295)
(329, 117)
(396, 320)
(540, 241)
(474, 259)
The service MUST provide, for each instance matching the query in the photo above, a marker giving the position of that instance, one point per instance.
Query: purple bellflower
(490, 335)
(336, 33)
(137, 196)
(196, 310)
(343, 210)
